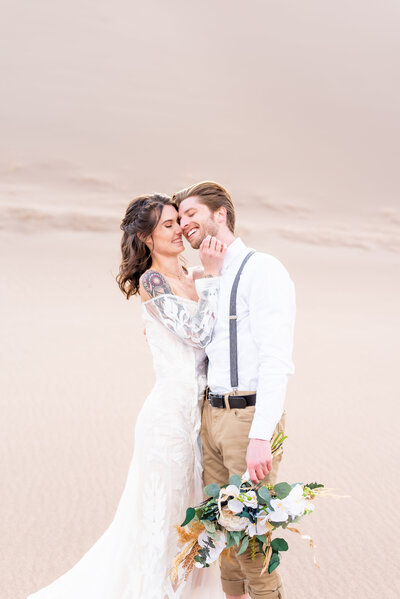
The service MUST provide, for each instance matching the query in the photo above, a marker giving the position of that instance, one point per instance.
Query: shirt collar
(235, 250)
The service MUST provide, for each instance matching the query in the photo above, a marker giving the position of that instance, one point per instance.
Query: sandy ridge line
(29, 219)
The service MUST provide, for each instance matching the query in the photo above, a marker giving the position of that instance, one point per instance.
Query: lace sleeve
(193, 326)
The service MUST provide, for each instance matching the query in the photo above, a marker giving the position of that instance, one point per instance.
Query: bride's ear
(147, 240)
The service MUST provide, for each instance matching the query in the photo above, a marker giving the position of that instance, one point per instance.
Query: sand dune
(35, 220)
(76, 371)
(87, 203)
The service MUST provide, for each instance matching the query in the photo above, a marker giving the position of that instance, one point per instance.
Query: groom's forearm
(269, 407)
(272, 315)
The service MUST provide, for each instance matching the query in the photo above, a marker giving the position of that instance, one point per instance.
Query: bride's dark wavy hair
(141, 218)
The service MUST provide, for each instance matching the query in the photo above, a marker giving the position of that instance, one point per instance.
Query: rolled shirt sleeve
(272, 311)
(205, 283)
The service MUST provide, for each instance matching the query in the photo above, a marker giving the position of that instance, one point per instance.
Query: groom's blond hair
(212, 195)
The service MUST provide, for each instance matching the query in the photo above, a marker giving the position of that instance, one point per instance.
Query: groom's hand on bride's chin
(212, 253)
(259, 459)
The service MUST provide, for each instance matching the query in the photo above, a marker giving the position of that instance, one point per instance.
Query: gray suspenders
(233, 326)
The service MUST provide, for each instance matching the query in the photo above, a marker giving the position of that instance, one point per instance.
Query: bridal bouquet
(242, 515)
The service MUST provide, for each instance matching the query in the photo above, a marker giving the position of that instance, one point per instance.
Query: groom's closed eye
(190, 212)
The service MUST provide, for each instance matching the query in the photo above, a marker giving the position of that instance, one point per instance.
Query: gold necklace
(180, 277)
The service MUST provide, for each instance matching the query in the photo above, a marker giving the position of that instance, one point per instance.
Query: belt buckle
(207, 396)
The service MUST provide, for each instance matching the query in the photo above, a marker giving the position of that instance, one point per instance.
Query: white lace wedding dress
(132, 558)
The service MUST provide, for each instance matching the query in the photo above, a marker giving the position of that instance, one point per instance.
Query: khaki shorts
(224, 435)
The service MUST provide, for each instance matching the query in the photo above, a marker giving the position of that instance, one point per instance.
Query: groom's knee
(241, 574)
(266, 586)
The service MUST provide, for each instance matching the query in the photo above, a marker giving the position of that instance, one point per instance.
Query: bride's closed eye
(168, 223)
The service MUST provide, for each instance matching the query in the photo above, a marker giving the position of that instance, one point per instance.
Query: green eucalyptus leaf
(230, 540)
(279, 545)
(212, 490)
(262, 539)
(236, 480)
(274, 562)
(209, 526)
(245, 544)
(237, 536)
(264, 494)
(282, 490)
(190, 514)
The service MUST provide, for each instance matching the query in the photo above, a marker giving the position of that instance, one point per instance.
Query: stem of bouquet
(277, 443)
(268, 554)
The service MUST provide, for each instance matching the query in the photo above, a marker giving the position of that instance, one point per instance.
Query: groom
(249, 365)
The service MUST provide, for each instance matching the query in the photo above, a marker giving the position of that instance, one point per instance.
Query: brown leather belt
(232, 402)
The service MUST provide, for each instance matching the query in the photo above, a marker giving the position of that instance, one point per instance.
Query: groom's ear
(220, 215)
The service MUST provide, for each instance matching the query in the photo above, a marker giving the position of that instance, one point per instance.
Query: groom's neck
(226, 236)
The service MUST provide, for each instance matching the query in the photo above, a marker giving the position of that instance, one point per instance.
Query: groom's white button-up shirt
(265, 321)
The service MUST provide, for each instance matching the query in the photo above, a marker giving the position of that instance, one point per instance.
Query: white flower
(214, 552)
(234, 504)
(250, 499)
(240, 499)
(261, 526)
(278, 512)
(291, 506)
(232, 490)
(295, 502)
(252, 530)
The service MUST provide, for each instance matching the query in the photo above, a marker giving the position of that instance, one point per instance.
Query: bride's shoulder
(152, 284)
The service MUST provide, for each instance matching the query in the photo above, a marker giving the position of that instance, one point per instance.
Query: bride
(131, 560)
